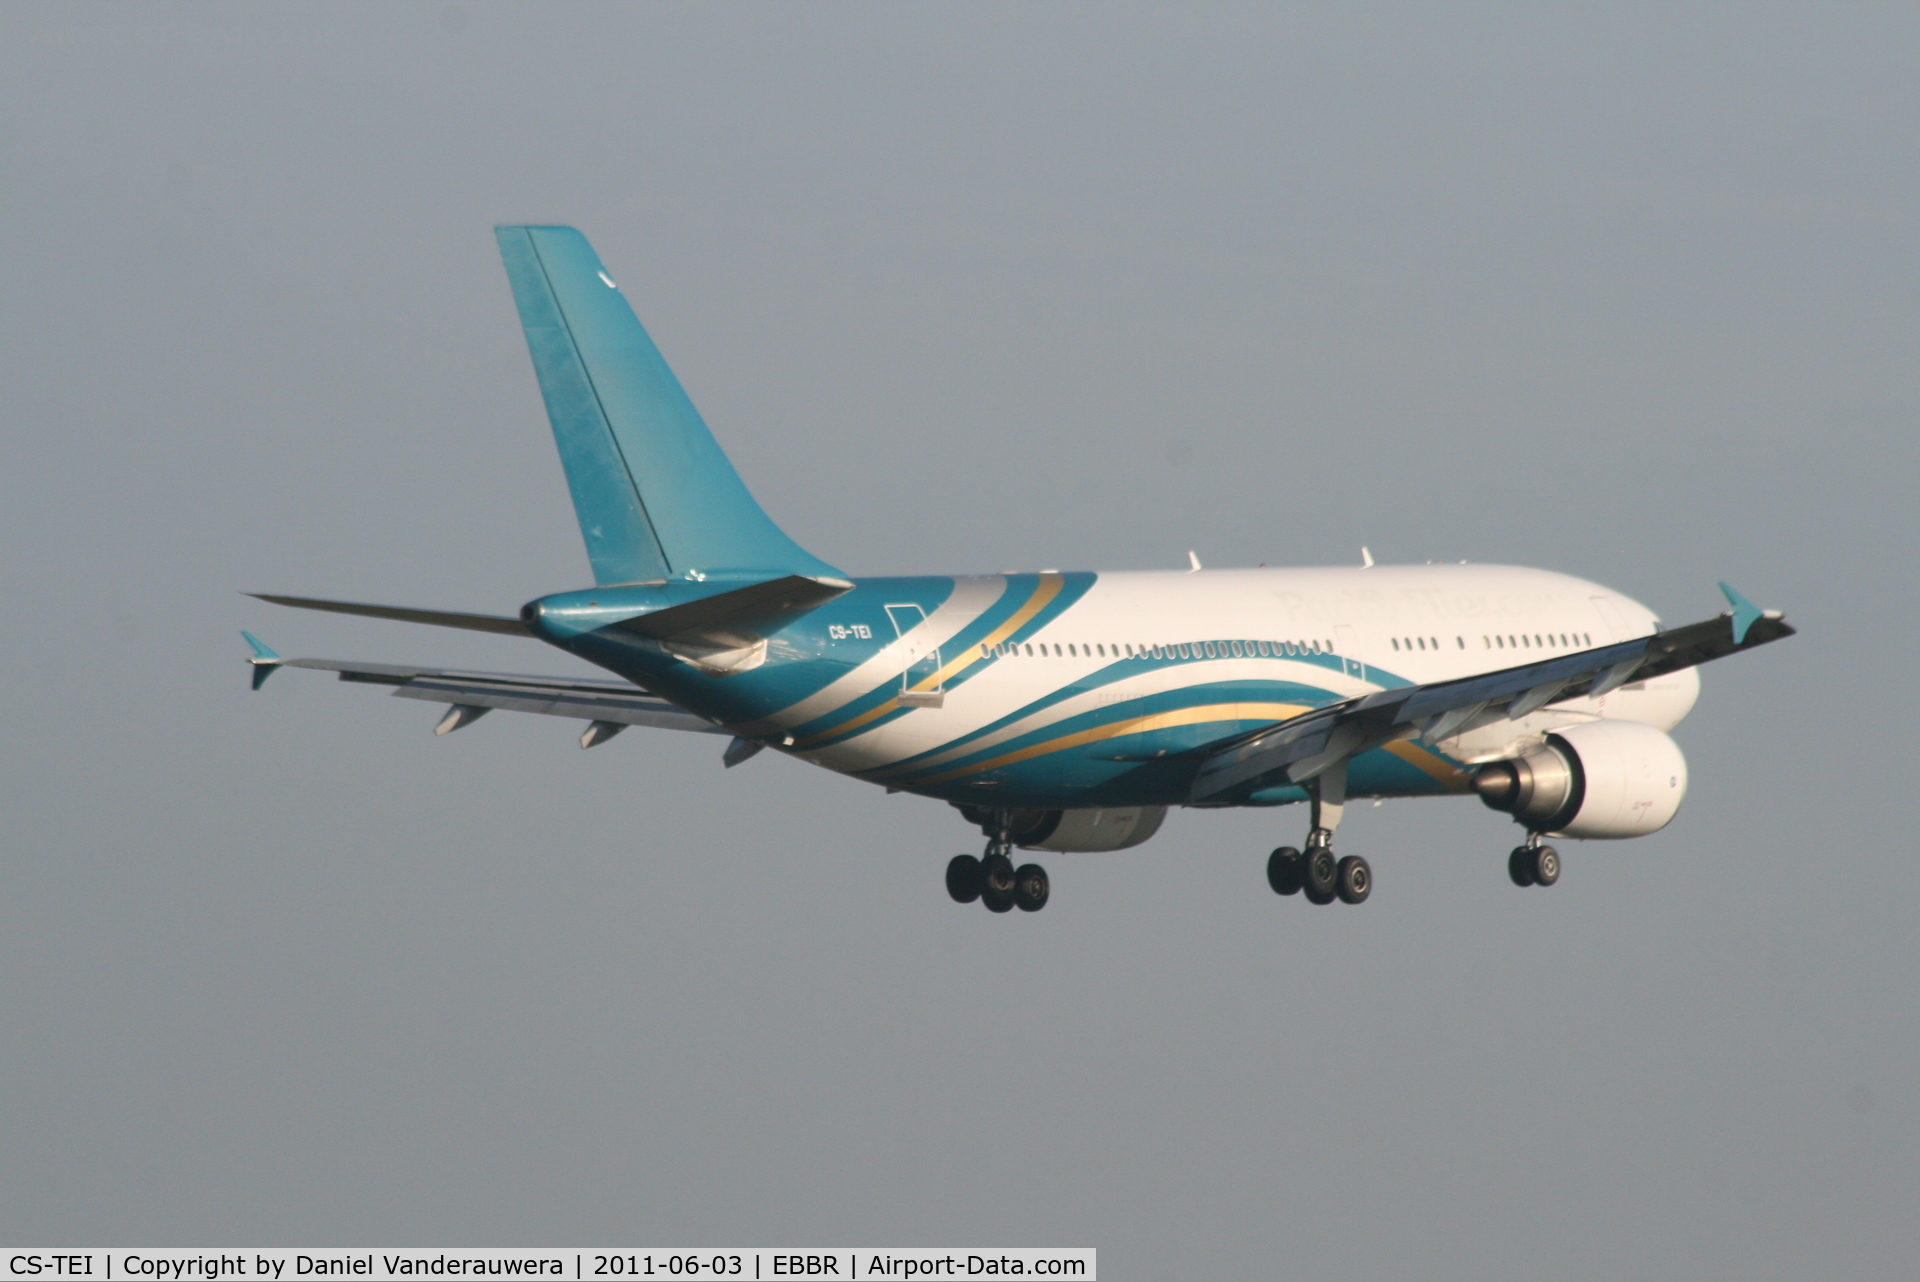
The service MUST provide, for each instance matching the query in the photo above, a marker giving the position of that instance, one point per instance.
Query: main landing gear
(1533, 864)
(995, 882)
(1316, 872)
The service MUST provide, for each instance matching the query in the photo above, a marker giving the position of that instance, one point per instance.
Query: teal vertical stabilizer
(654, 492)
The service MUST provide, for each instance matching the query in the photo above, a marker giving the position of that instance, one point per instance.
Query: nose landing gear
(1533, 864)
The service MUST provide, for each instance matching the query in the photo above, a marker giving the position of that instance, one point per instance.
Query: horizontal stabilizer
(742, 616)
(405, 614)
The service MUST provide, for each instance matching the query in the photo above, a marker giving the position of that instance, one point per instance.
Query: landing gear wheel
(996, 883)
(1319, 874)
(1353, 881)
(1030, 888)
(1546, 866)
(1285, 872)
(963, 878)
(1520, 866)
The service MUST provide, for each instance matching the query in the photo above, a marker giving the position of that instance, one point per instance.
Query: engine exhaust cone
(1498, 784)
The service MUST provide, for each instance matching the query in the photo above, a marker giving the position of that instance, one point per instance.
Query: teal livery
(1057, 711)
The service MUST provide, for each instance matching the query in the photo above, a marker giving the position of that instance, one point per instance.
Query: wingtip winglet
(1745, 613)
(265, 661)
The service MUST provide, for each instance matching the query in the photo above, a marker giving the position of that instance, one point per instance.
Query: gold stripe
(1049, 588)
(1439, 767)
(1134, 725)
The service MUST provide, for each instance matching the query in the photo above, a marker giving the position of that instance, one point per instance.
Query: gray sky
(1627, 291)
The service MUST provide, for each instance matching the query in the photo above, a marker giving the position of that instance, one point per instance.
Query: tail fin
(654, 493)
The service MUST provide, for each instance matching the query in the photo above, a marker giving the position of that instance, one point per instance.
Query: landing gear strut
(1533, 864)
(1316, 871)
(992, 878)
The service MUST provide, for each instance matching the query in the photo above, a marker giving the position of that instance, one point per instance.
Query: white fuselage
(1388, 625)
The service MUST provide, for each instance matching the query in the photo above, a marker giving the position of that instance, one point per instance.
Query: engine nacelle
(1597, 779)
(1110, 828)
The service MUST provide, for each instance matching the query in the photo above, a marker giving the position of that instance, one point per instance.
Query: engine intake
(1597, 780)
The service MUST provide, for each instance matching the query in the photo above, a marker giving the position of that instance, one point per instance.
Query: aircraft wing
(1296, 750)
(610, 705)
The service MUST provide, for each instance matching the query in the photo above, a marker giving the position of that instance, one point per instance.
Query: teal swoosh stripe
(1240, 690)
(1021, 589)
(1120, 671)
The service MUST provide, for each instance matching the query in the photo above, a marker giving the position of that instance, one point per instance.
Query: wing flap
(741, 616)
(558, 702)
(617, 702)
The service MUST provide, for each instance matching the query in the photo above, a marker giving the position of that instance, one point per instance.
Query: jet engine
(1597, 779)
(1110, 828)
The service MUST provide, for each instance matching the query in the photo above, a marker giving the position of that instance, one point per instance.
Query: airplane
(1061, 711)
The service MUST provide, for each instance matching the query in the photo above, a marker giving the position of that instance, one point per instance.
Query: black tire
(1520, 866)
(996, 883)
(1284, 871)
(963, 878)
(996, 875)
(1031, 888)
(1354, 880)
(1545, 866)
(1319, 874)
